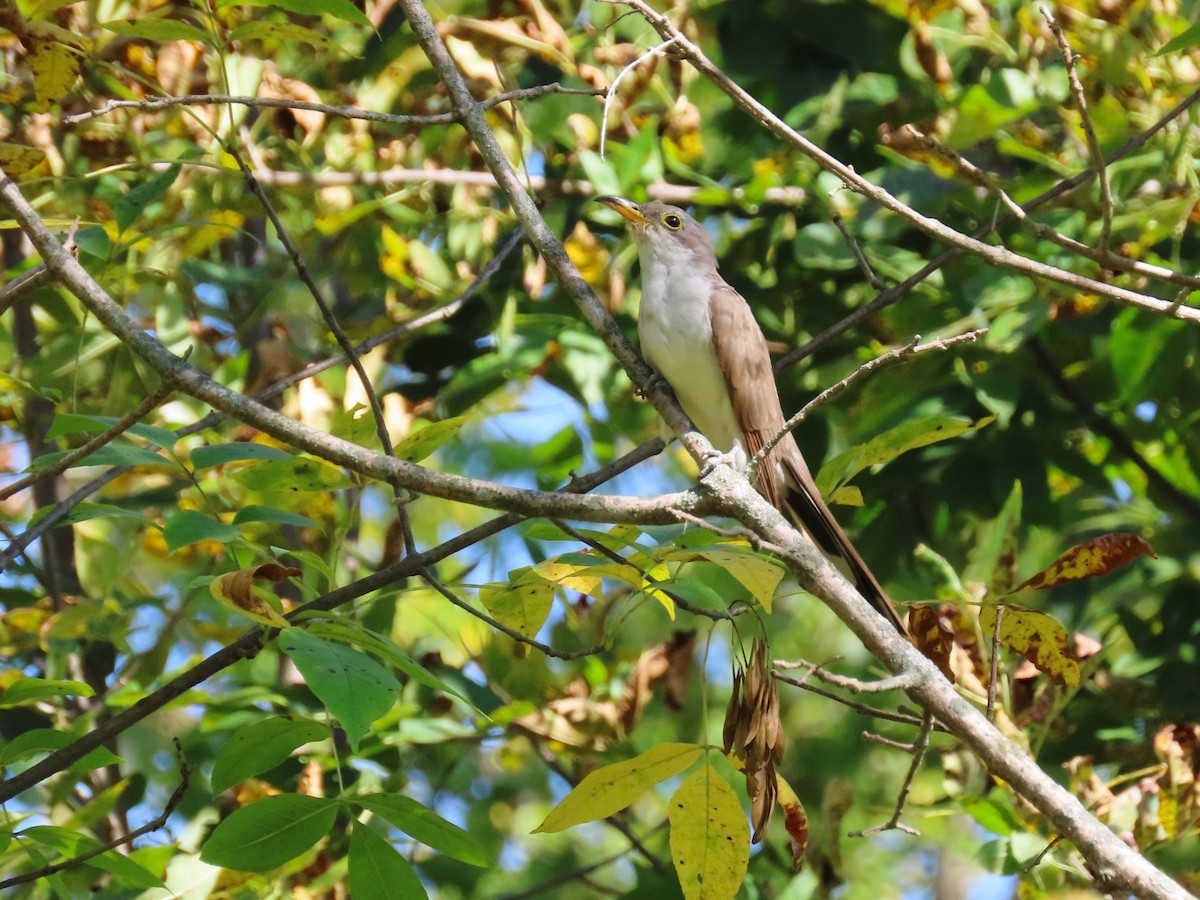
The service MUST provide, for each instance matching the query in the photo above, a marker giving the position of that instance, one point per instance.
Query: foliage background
(1088, 395)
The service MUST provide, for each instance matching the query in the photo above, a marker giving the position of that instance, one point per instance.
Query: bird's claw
(652, 383)
(714, 459)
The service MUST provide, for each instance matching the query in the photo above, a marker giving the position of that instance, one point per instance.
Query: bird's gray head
(664, 234)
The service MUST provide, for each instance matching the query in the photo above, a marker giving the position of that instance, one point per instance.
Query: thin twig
(329, 109)
(899, 682)
(721, 196)
(1089, 132)
(912, 348)
(154, 824)
(918, 748)
(863, 265)
(612, 88)
(25, 283)
(105, 437)
(323, 305)
(861, 708)
(994, 673)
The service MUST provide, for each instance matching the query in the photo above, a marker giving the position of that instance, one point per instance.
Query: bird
(700, 336)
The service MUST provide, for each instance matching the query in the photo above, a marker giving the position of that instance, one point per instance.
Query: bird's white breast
(675, 330)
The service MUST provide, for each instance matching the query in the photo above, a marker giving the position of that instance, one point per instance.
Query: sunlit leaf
(354, 687)
(269, 832)
(284, 32)
(426, 826)
(892, 443)
(55, 70)
(71, 843)
(1036, 636)
(710, 838)
(420, 444)
(523, 607)
(795, 821)
(220, 454)
(611, 788)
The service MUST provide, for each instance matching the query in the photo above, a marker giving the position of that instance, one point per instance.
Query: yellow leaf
(847, 495)
(17, 160)
(757, 575)
(420, 444)
(523, 607)
(1036, 636)
(55, 68)
(610, 789)
(710, 838)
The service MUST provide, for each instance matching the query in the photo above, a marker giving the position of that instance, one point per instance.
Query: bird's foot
(717, 458)
(652, 384)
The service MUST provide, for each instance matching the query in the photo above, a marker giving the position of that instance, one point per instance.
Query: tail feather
(803, 503)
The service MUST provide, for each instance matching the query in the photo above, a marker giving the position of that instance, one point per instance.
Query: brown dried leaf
(1098, 556)
(795, 821)
(236, 590)
(933, 637)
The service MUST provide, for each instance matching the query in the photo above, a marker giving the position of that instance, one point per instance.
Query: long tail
(803, 502)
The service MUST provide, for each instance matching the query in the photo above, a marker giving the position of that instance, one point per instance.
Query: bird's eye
(672, 221)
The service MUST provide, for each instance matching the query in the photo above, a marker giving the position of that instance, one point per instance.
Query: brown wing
(742, 353)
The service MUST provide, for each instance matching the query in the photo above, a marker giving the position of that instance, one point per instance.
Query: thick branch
(340, 452)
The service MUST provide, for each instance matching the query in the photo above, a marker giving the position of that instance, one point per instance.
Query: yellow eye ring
(672, 221)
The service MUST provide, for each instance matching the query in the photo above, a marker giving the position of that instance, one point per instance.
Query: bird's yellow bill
(627, 209)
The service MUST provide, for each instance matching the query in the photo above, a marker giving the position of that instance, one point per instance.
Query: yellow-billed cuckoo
(699, 334)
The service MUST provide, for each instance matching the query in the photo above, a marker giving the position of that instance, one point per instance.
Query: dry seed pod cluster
(754, 735)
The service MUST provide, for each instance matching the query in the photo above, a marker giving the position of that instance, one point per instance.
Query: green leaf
(71, 843)
(420, 444)
(997, 817)
(892, 443)
(426, 826)
(260, 747)
(87, 511)
(268, 833)
(610, 789)
(1185, 40)
(158, 30)
(377, 871)
(350, 632)
(129, 207)
(287, 32)
(997, 558)
(220, 454)
(339, 9)
(73, 423)
(24, 691)
(821, 246)
(355, 688)
(296, 473)
(30, 743)
(255, 513)
(190, 527)
(108, 455)
(94, 241)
